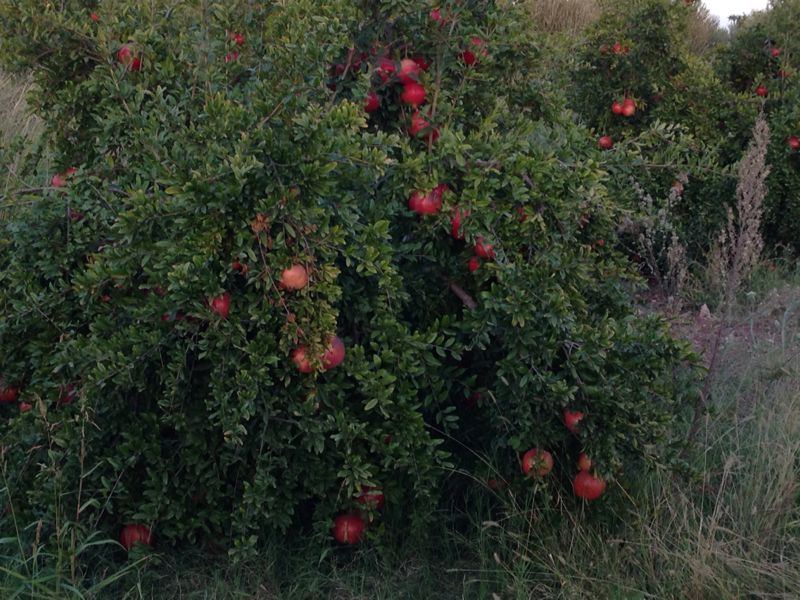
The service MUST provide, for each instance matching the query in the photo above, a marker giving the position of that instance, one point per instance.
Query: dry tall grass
(16, 122)
(738, 248)
(704, 30)
(563, 16)
(14, 117)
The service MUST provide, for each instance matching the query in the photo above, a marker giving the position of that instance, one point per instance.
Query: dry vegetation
(563, 16)
(16, 123)
(14, 117)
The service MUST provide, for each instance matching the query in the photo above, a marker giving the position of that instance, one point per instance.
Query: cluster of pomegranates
(8, 395)
(626, 108)
(537, 462)
(430, 202)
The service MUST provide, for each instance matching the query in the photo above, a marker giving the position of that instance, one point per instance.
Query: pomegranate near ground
(588, 486)
(348, 529)
(537, 462)
(135, 534)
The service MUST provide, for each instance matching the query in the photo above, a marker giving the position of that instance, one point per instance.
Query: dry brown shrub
(563, 16)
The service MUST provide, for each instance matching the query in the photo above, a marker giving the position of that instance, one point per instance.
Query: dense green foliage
(693, 120)
(149, 406)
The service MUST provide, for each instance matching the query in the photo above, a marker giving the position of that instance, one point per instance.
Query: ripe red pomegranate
(474, 264)
(66, 394)
(537, 462)
(127, 57)
(415, 200)
(221, 305)
(8, 394)
(616, 48)
(616, 108)
(240, 266)
(334, 355)
(413, 94)
(455, 223)
(232, 56)
(135, 533)
(420, 124)
(385, 69)
(762, 91)
(469, 55)
(409, 71)
(572, 418)
(348, 529)
(605, 142)
(371, 497)
(24, 407)
(427, 204)
(294, 278)
(775, 52)
(372, 102)
(436, 15)
(94, 17)
(300, 358)
(59, 180)
(794, 142)
(484, 250)
(421, 62)
(588, 486)
(628, 107)
(584, 462)
(237, 39)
